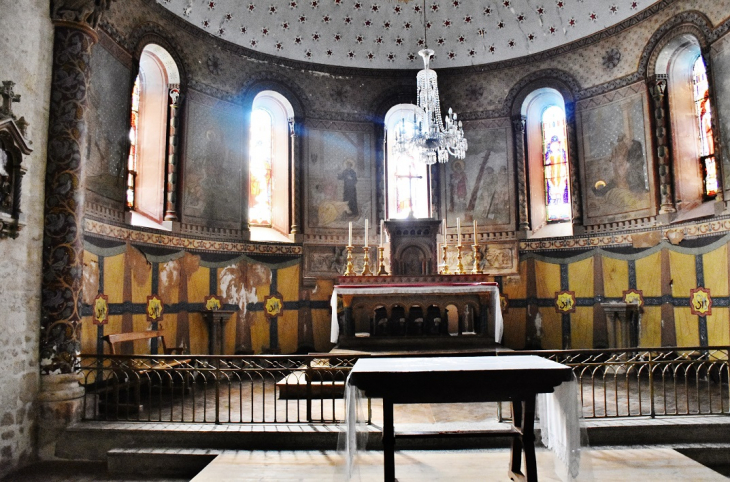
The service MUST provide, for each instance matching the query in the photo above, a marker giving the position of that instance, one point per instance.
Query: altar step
(426, 344)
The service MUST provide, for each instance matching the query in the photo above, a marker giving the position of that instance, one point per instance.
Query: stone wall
(26, 44)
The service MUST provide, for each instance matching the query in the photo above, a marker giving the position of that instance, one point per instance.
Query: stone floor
(646, 464)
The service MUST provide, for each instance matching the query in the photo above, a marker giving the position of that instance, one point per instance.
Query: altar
(434, 307)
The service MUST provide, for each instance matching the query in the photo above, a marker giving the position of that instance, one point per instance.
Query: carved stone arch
(269, 80)
(568, 87)
(692, 22)
(151, 32)
(380, 107)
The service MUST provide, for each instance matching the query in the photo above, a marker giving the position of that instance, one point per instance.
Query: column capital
(80, 14)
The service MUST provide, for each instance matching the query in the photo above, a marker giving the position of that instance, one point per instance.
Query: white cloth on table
(495, 307)
(559, 414)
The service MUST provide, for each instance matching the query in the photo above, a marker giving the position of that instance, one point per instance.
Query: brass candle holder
(381, 260)
(444, 263)
(350, 270)
(460, 265)
(478, 257)
(366, 263)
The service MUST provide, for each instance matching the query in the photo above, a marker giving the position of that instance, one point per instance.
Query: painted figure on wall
(616, 170)
(478, 186)
(349, 188)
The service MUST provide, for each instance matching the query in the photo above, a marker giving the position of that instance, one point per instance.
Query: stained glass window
(407, 176)
(133, 146)
(260, 159)
(703, 109)
(555, 163)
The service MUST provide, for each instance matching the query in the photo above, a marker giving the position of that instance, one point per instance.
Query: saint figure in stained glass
(133, 158)
(555, 162)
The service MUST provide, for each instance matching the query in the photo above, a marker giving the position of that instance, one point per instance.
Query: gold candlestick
(350, 270)
(381, 259)
(366, 263)
(444, 264)
(478, 256)
(460, 265)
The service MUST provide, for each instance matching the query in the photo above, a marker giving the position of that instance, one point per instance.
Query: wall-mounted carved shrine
(13, 146)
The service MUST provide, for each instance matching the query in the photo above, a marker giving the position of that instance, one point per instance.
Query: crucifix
(9, 96)
(410, 176)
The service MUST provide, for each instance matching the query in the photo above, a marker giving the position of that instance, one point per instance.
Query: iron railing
(309, 388)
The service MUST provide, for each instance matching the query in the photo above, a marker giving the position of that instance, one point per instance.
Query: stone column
(657, 88)
(294, 173)
(173, 124)
(518, 129)
(63, 240)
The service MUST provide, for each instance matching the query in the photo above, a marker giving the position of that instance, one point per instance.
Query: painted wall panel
(615, 277)
(650, 331)
(688, 333)
(548, 279)
(649, 274)
(580, 276)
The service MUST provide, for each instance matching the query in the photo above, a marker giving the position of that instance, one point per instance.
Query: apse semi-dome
(389, 33)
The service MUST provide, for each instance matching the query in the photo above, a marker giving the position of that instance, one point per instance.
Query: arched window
(703, 110)
(407, 178)
(152, 137)
(690, 118)
(547, 161)
(269, 161)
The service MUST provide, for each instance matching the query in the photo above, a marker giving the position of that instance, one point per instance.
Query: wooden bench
(124, 389)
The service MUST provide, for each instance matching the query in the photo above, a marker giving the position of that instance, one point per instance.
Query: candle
(475, 231)
(366, 233)
(382, 234)
(458, 232)
(443, 233)
(349, 242)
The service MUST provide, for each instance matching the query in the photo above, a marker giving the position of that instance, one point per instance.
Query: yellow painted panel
(580, 278)
(198, 286)
(88, 335)
(288, 283)
(288, 331)
(650, 334)
(114, 279)
(581, 327)
(169, 326)
(321, 326)
(718, 322)
(114, 326)
(547, 276)
(229, 335)
(615, 277)
(141, 291)
(552, 329)
(323, 291)
(198, 334)
(683, 276)
(516, 286)
(687, 325)
(515, 328)
(259, 332)
(649, 275)
(140, 324)
(170, 281)
(714, 265)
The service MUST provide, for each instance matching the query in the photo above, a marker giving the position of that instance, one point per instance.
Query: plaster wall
(26, 45)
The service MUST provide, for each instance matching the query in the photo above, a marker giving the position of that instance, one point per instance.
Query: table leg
(388, 441)
(515, 467)
(528, 439)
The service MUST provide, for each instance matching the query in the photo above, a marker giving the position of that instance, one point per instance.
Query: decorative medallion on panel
(565, 302)
(213, 303)
(101, 309)
(155, 308)
(273, 305)
(700, 301)
(634, 296)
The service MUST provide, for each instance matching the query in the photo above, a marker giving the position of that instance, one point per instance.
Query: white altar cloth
(495, 310)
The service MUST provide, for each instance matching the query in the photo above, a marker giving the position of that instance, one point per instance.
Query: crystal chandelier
(432, 139)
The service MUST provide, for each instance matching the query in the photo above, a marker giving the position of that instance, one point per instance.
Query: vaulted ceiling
(389, 33)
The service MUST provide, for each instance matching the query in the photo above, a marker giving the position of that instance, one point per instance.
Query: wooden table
(517, 379)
